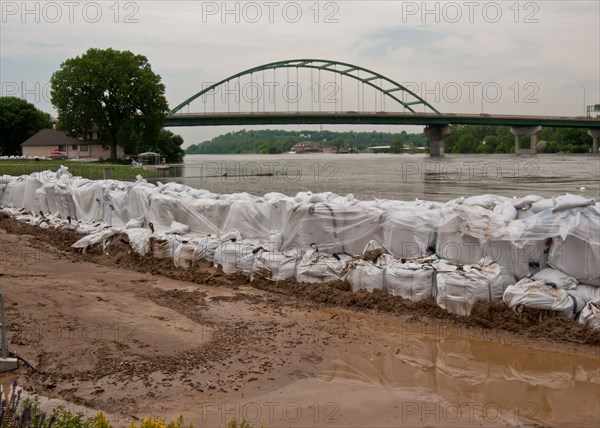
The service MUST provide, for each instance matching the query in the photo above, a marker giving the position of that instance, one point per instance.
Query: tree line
(270, 141)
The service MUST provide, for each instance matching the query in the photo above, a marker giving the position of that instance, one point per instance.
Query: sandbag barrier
(484, 247)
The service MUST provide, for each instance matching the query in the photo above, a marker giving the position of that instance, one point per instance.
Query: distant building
(47, 141)
(307, 147)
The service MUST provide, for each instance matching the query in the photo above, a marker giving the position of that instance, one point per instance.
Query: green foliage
(115, 90)
(235, 424)
(167, 144)
(499, 139)
(278, 141)
(19, 120)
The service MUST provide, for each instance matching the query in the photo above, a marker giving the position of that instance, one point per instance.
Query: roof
(52, 137)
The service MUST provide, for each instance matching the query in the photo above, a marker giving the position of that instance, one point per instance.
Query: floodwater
(387, 176)
(430, 376)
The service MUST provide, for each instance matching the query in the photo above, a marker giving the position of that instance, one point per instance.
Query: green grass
(91, 170)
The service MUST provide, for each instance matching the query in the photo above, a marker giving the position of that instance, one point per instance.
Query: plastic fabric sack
(590, 315)
(274, 266)
(556, 278)
(412, 280)
(577, 258)
(539, 295)
(542, 205)
(315, 267)
(99, 239)
(139, 240)
(163, 247)
(458, 247)
(526, 201)
(587, 293)
(364, 275)
(409, 233)
(234, 256)
(459, 287)
(568, 201)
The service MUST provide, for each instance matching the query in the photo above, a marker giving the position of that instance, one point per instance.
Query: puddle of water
(431, 381)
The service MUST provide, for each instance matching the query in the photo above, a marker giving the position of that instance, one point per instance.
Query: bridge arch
(370, 78)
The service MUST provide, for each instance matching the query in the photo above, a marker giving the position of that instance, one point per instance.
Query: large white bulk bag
(164, 246)
(587, 293)
(315, 267)
(590, 315)
(458, 247)
(13, 193)
(139, 239)
(459, 287)
(139, 199)
(408, 233)
(251, 218)
(412, 280)
(577, 258)
(32, 183)
(65, 206)
(556, 278)
(365, 275)
(234, 256)
(274, 266)
(539, 295)
(40, 204)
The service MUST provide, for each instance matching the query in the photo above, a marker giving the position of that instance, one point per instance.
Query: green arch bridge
(436, 123)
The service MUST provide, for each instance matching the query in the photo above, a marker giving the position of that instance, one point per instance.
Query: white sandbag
(139, 239)
(458, 247)
(274, 266)
(139, 199)
(96, 239)
(32, 183)
(542, 205)
(206, 248)
(409, 233)
(315, 267)
(590, 315)
(135, 223)
(412, 280)
(587, 293)
(364, 275)
(539, 295)
(526, 201)
(65, 206)
(40, 203)
(164, 246)
(13, 193)
(556, 278)
(512, 258)
(568, 201)
(459, 287)
(50, 192)
(577, 258)
(178, 228)
(234, 256)
(485, 201)
(273, 242)
(251, 218)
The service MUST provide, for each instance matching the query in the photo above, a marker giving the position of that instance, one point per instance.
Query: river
(397, 176)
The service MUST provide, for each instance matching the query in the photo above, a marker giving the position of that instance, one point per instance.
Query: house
(307, 147)
(47, 141)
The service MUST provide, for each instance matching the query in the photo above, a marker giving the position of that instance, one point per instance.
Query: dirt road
(137, 337)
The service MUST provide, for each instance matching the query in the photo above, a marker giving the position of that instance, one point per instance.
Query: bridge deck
(376, 118)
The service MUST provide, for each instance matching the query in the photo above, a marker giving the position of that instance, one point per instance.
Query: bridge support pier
(595, 134)
(436, 135)
(531, 131)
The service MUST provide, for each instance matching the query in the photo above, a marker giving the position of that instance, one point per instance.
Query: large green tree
(115, 90)
(167, 144)
(19, 120)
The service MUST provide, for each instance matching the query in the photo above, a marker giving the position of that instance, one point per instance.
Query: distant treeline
(276, 141)
(463, 139)
(499, 139)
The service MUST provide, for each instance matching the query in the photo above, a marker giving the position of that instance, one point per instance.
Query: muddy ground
(136, 336)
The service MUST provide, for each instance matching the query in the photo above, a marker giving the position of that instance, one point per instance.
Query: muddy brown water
(386, 176)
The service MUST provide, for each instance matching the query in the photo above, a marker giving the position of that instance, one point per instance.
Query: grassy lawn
(91, 170)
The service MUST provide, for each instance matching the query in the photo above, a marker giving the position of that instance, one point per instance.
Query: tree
(167, 144)
(115, 90)
(19, 120)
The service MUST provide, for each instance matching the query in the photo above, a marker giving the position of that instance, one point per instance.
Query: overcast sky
(536, 57)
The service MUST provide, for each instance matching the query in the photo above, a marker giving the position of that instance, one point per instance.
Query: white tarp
(576, 257)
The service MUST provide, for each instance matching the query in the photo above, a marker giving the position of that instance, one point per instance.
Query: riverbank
(91, 170)
(134, 336)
